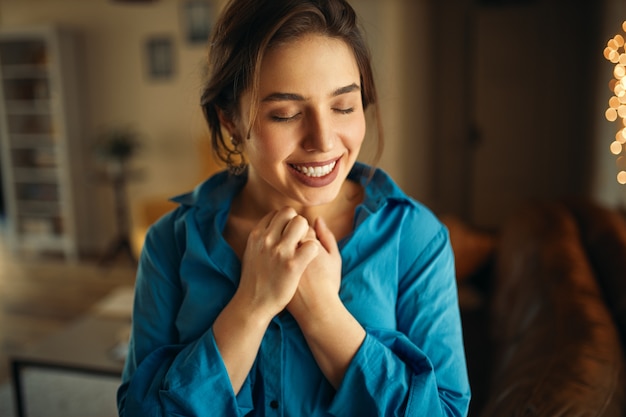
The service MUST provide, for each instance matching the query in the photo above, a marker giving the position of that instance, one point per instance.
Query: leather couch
(547, 337)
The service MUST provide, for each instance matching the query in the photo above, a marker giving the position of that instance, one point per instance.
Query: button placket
(271, 352)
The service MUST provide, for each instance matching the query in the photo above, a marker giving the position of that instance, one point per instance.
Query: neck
(252, 205)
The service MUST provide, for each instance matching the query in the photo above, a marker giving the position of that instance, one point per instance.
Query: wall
(423, 56)
(166, 113)
(117, 90)
(521, 94)
(400, 32)
(531, 104)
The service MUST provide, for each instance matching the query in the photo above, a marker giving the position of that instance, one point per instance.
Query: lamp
(615, 52)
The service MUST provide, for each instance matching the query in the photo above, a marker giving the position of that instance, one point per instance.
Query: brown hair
(246, 29)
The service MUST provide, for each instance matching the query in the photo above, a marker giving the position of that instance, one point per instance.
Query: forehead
(313, 62)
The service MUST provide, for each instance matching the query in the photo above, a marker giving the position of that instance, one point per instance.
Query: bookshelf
(40, 139)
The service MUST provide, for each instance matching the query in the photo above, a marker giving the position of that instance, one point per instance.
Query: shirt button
(274, 404)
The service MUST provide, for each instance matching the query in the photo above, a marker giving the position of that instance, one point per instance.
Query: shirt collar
(223, 185)
(379, 187)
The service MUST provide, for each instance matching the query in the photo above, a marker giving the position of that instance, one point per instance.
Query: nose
(319, 135)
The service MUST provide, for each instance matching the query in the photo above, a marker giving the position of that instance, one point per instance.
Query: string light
(615, 52)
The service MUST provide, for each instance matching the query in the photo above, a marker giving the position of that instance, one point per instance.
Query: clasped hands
(290, 264)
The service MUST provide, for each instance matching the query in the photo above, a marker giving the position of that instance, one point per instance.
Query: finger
(259, 232)
(307, 251)
(277, 223)
(265, 222)
(295, 232)
(310, 235)
(325, 236)
(281, 218)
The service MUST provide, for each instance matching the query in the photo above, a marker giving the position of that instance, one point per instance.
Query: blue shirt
(398, 281)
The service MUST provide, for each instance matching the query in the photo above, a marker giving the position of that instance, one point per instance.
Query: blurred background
(485, 103)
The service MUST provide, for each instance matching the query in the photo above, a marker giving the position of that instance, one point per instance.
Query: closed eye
(283, 119)
(345, 111)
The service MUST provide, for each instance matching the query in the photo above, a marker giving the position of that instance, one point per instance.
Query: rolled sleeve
(390, 376)
(415, 365)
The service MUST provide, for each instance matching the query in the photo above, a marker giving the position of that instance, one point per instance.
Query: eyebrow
(297, 97)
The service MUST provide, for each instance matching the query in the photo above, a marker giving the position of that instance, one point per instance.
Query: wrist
(253, 313)
(319, 313)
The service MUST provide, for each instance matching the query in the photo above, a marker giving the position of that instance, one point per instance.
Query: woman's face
(310, 122)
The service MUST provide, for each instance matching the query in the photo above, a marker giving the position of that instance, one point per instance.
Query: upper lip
(315, 164)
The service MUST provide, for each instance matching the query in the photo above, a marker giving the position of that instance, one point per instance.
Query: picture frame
(197, 23)
(160, 57)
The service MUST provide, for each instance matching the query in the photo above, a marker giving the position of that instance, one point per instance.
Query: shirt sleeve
(162, 376)
(419, 368)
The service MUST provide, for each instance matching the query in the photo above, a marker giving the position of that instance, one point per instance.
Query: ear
(227, 123)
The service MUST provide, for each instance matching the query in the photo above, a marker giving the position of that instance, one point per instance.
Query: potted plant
(115, 146)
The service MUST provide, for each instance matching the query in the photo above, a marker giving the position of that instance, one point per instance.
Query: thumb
(325, 236)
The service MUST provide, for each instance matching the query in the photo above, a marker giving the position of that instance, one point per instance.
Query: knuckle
(300, 221)
(288, 212)
(266, 240)
(291, 266)
(279, 252)
(255, 233)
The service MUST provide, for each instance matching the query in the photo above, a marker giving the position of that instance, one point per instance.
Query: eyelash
(345, 111)
(284, 119)
(280, 119)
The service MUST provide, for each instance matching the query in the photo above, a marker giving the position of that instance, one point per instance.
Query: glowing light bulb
(616, 148)
(615, 52)
(614, 56)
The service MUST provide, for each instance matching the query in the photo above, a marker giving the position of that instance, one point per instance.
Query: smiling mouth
(315, 171)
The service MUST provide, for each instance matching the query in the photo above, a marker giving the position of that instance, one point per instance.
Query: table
(84, 346)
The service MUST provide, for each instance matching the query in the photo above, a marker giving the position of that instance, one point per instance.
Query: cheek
(265, 146)
(355, 133)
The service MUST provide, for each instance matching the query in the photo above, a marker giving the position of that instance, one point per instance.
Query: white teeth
(318, 171)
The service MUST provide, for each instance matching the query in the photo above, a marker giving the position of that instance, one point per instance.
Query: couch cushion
(558, 350)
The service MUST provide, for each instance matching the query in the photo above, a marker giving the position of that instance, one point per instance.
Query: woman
(302, 282)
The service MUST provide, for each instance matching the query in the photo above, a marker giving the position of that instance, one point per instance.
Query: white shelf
(40, 139)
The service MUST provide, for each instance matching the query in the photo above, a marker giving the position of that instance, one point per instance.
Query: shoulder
(208, 198)
(214, 191)
(385, 199)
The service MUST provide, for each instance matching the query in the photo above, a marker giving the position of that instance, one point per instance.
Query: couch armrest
(557, 349)
(603, 233)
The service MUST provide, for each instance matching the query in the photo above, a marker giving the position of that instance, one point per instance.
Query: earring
(235, 160)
